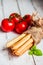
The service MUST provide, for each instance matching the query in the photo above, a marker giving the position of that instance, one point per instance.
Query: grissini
(21, 42)
(24, 47)
(10, 43)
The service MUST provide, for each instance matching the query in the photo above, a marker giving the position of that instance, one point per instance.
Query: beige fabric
(37, 34)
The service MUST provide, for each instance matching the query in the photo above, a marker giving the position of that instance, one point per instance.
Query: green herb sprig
(35, 51)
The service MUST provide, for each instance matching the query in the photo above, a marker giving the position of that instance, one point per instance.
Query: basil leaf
(33, 48)
(37, 52)
(30, 52)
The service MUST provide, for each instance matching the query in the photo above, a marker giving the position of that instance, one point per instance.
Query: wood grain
(6, 8)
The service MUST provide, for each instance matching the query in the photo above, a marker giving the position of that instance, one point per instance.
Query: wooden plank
(25, 7)
(1, 15)
(25, 59)
(4, 57)
(39, 59)
(38, 5)
(10, 6)
(28, 8)
(10, 35)
(2, 34)
(2, 38)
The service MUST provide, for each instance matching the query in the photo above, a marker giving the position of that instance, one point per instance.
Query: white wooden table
(22, 7)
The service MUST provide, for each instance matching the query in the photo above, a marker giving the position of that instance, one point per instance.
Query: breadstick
(21, 42)
(24, 47)
(10, 43)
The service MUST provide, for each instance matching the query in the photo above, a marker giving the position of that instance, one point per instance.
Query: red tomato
(7, 25)
(27, 18)
(15, 17)
(21, 27)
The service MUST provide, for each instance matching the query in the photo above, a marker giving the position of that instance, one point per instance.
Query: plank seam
(33, 6)
(20, 14)
(18, 7)
(34, 60)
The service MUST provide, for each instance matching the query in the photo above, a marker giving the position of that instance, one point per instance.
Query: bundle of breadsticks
(20, 44)
(27, 39)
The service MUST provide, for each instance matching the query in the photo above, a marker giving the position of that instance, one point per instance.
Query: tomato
(15, 17)
(27, 18)
(7, 25)
(21, 27)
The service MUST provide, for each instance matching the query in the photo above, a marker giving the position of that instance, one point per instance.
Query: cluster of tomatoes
(16, 23)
